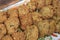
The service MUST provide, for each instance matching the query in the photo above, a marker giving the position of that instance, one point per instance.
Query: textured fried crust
(23, 9)
(26, 20)
(12, 13)
(40, 3)
(43, 27)
(47, 12)
(31, 32)
(36, 17)
(31, 6)
(12, 24)
(24, 17)
(2, 30)
(7, 37)
(18, 36)
(48, 2)
(3, 17)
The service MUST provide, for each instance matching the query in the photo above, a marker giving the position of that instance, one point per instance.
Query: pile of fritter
(38, 18)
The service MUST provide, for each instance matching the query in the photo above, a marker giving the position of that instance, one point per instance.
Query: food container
(15, 5)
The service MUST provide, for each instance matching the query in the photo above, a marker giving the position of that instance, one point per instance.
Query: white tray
(16, 4)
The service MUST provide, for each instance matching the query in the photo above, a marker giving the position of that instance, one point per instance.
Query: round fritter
(48, 2)
(36, 17)
(3, 17)
(47, 12)
(18, 36)
(43, 28)
(52, 27)
(2, 30)
(7, 37)
(58, 27)
(12, 13)
(12, 24)
(40, 3)
(31, 32)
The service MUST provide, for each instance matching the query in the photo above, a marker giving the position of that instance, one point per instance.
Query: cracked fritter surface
(31, 32)
(25, 17)
(47, 12)
(36, 17)
(43, 27)
(12, 24)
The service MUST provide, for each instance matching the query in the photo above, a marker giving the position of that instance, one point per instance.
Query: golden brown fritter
(36, 17)
(23, 9)
(48, 2)
(2, 30)
(52, 26)
(3, 17)
(43, 28)
(31, 32)
(7, 37)
(12, 24)
(58, 27)
(12, 12)
(25, 18)
(31, 6)
(18, 36)
(40, 3)
(47, 12)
